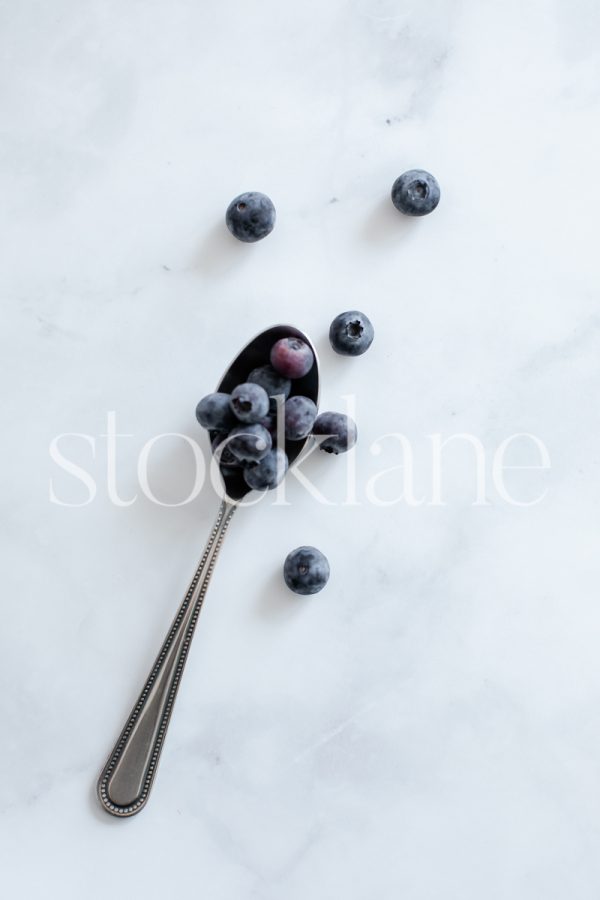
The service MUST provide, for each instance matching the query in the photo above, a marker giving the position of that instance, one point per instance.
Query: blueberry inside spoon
(255, 354)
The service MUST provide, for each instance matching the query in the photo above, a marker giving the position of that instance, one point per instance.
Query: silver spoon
(127, 778)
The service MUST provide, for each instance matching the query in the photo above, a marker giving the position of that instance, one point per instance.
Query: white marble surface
(429, 726)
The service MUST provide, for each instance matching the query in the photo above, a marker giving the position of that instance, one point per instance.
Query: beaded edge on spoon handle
(127, 778)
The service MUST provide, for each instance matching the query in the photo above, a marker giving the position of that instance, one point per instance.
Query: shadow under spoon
(127, 778)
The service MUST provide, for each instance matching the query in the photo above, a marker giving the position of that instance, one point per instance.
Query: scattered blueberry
(249, 402)
(340, 430)
(300, 414)
(214, 412)
(415, 193)
(306, 570)
(249, 443)
(273, 383)
(292, 357)
(268, 472)
(250, 217)
(351, 333)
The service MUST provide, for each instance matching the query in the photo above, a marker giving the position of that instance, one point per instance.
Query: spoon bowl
(256, 353)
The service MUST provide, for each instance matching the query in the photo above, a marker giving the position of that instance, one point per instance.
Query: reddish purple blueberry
(292, 357)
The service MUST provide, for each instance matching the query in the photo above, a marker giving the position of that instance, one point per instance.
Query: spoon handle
(127, 777)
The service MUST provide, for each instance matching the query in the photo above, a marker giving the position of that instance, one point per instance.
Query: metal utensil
(127, 778)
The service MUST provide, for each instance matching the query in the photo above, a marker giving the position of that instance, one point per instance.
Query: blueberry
(249, 402)
(340, 430)
(268, 472)
(415, 193)
(270, 423)
(306, 570)
(273, 383)
(300, 414)
(250, 217)
(292, 357)
(249, 443)
(214, 412)
(222, 451)
(351, 333)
